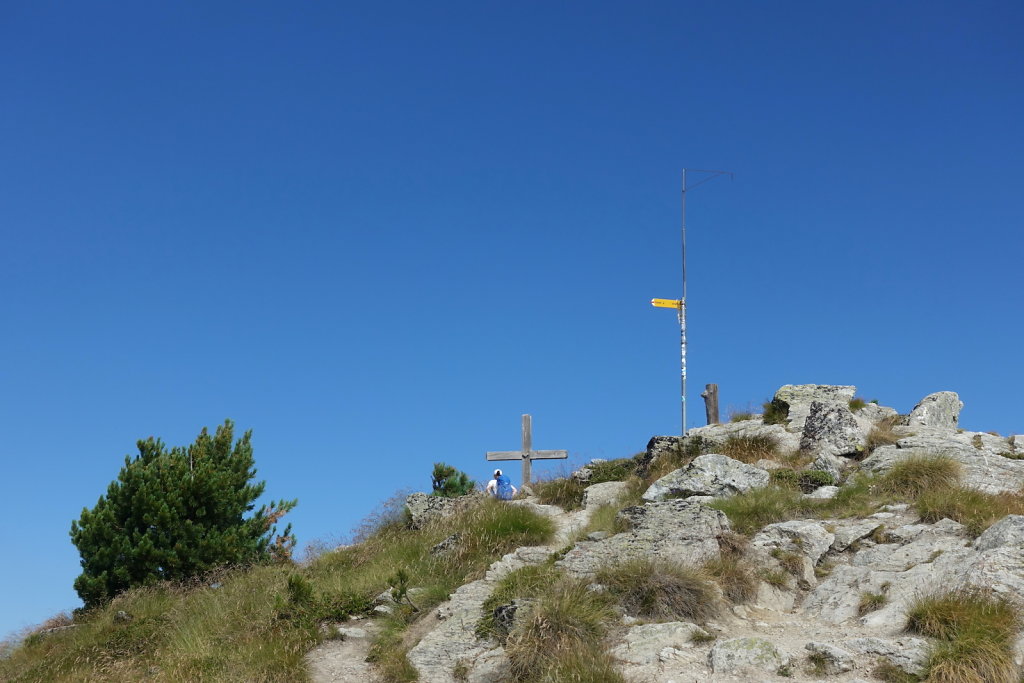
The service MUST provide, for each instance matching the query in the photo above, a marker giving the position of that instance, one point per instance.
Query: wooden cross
(527, 454)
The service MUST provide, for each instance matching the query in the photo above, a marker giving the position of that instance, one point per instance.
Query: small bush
(775, 412)
(750, 449)
(977, 511)
(449, 482)
(565, 492)
(914, 475)
(856, 403)
(658, 589)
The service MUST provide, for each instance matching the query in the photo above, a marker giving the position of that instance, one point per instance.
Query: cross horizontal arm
(504, 455)
(548, 455)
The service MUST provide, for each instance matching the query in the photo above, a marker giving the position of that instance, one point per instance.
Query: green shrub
(659, 589)
(449, 482)
(914, 475)
(774, 412)
(856, 403)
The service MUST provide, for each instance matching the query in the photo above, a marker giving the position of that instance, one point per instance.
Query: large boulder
(939, 410)
(674, 530)
(708, 475)
(805, 537)
(797, 399)
(605, 493)
(988, 463)
(831, 430)
(1007, 531)
(657, 448)
(424, 507)
(713, 437)
(746, 655)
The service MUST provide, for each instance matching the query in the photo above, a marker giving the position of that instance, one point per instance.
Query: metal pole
(682, 314)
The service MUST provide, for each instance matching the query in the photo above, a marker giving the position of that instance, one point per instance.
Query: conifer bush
(449, 482)
(173, 514)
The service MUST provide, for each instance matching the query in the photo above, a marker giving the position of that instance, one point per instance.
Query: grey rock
(798, 398)
(645, 644)
(447, 545)
(738, 655)
(657, 448)
(424, 507)
(830, 429)
(823, 493)
(836, 660)
(849, 531)
(597, 535)
(712, 437)
(1007, 531)
(832, 464)
(800, 536)
(982, 469)
(708, 475)
(941, 410)
(910, 654)
(584, 473)
(674, 530)
(607, 493)
(875, 413)
(122, 617)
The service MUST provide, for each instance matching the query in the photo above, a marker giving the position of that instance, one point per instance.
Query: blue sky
(377, 234)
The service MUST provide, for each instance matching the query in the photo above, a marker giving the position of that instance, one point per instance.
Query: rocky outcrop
(657, 448)
(831, 430)
(708, 475)
(940, 410)
(988, 462)
(675, 530)
(606, 493)
(424, 507)
(797, 399)
(748, 655)
(712, 437)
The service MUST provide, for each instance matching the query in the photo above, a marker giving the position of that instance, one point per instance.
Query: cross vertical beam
(526, 454)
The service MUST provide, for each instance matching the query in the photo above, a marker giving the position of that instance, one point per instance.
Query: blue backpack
(504, 488)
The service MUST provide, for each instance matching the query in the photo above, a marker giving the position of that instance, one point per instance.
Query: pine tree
(173, 514)
(450, 482)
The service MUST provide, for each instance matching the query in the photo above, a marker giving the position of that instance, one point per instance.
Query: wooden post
(710, 396)
(526, 454)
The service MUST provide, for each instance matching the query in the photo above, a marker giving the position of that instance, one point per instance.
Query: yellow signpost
(667, 303)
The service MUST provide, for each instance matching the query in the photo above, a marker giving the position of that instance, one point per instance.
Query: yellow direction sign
(667, 303)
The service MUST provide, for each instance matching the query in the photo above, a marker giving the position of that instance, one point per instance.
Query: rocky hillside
(837, 540)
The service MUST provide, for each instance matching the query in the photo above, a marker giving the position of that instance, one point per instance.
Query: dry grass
(750, 449)
(914, 475)
(978, 630)
(258, 623)
(658, 589)
(562, 639)
(977, 511)
(565, 492)
(735, 577)
(870, 602)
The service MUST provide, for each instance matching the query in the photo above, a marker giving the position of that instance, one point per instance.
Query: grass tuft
(978, 630)
(658, 589)
(565, 492)
(871, 602)
(774, 412)
(750, 449)
(914, 475)
(562, 637)
(977, 511)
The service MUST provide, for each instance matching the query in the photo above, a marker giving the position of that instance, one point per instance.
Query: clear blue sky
(376, 234)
